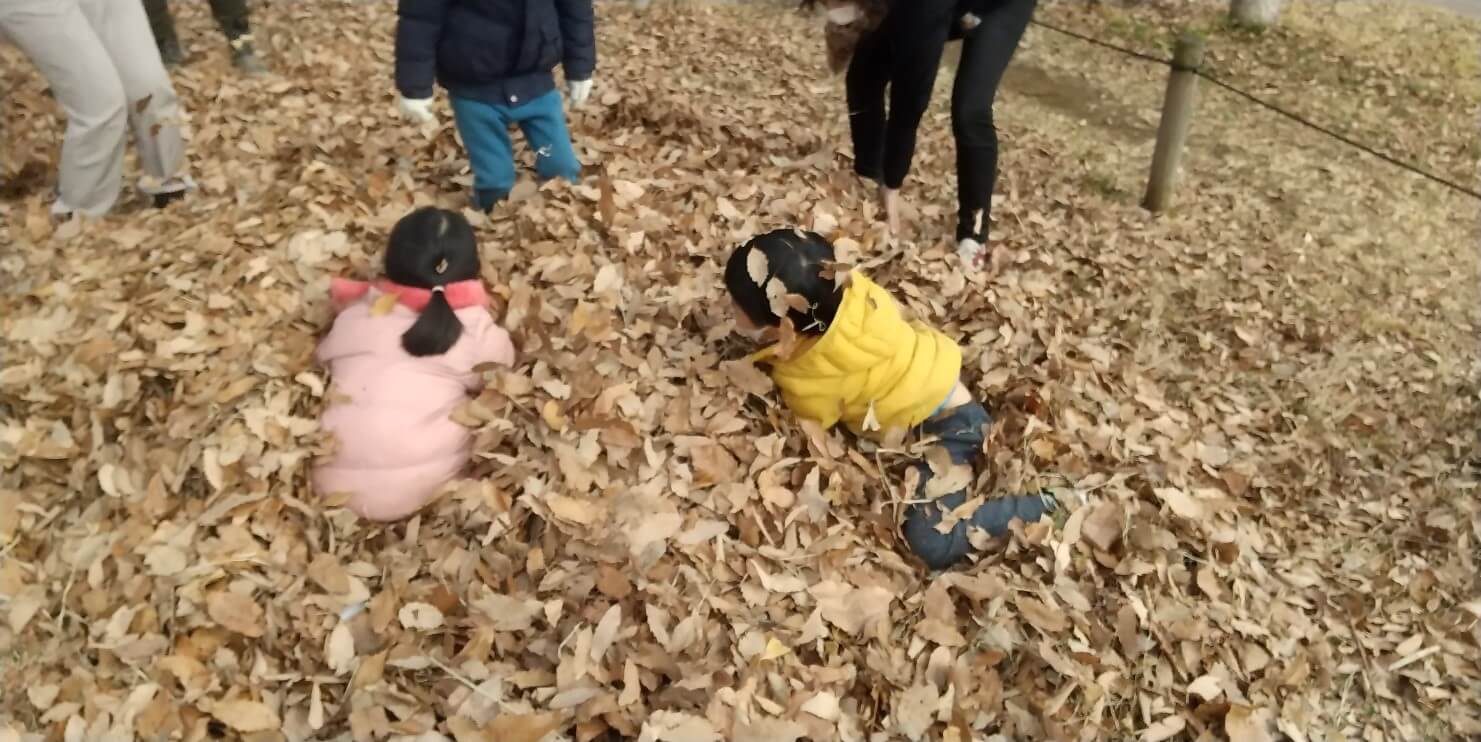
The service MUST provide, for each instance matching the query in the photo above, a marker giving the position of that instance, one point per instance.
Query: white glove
(578, 91)
(417, 110)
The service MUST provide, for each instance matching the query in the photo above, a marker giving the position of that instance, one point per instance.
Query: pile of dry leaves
(1257, 409)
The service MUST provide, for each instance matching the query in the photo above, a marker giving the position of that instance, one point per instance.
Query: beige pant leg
(153, 108)
(60, 41)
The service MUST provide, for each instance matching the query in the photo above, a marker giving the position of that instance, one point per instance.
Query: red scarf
(459, 294)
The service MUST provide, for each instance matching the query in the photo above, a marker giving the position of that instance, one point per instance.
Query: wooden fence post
(1177, 114)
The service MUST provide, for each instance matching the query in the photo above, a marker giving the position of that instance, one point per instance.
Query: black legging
(904, 54)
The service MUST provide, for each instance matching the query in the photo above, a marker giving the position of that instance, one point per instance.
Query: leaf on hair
(776, 296)
(757, 267)
(382, 305)
(786, 345)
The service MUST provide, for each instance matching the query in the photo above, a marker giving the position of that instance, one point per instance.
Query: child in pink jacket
(401, 366)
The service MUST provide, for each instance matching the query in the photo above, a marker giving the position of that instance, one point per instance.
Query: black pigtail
(435, 331)
(429, 249)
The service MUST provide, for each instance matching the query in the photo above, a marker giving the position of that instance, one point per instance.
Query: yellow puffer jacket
(869, 356)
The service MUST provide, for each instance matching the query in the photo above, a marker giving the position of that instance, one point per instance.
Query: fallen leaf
(671, 726)
(1247, 724)
(768, 730)
(915, 710)
(823, 705)
(245, 716)
(165, 560)
(1102, 528)
(1164, 729)
(1046, 618)
(24, 606)
(236, 612)
(606, 632)
(1182, 503)
(523, 727)
(420, 616)
(339, 649)
(1207, 687)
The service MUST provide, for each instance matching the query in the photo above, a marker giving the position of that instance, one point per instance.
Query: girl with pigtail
(402, 353)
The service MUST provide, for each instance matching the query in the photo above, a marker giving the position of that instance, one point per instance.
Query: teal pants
(484, 128)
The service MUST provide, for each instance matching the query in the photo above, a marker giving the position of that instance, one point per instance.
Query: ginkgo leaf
(776, 297)
(383, 304)
(420, 616)
(757, 268)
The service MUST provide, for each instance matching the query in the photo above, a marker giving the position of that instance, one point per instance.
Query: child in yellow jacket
(857, 361)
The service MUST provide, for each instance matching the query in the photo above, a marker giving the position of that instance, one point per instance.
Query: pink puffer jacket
(397, 442)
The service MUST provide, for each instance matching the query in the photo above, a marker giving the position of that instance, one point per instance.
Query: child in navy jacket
(496, 60)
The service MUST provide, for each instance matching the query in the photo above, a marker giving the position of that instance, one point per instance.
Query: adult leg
(986, 52)
(162, 25)
(543, 121)
(912, 78)
(153, 108)
(231, 15)
(484, 128)
(868, 74)
(59, 40)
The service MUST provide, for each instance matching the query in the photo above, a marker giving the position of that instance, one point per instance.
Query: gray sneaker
(244, 58)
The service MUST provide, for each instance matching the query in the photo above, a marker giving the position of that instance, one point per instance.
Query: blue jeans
(961, 432)
(484, 128)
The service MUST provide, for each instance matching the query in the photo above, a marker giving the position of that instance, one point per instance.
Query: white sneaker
(60, 211)
(970, 251)
(163, 193)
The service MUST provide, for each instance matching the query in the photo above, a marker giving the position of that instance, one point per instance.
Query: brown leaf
(1248, 724)
(746, 377)
(607, 202)
(1164, 729)
(713, 464)
(670, 726)
(606, 632)
(1207, 687)
(768, 730)
(327, 573)
(1102, 528)
(420, 616)
(339, 649)
(236, 612)
(523, 727)
(1046, 618)
(915, 711)
(245, 716)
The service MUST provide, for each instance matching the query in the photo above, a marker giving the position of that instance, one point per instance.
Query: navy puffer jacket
(497, 51)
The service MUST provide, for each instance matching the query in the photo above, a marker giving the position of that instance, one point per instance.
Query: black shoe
(161, 200)
(485, 199)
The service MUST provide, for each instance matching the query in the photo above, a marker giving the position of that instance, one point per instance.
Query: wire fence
(1298, 118)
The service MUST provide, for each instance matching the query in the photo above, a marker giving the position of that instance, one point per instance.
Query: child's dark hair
(428, 248)
(800, 262)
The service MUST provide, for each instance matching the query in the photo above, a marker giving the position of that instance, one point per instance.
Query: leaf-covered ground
(1259, 408)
